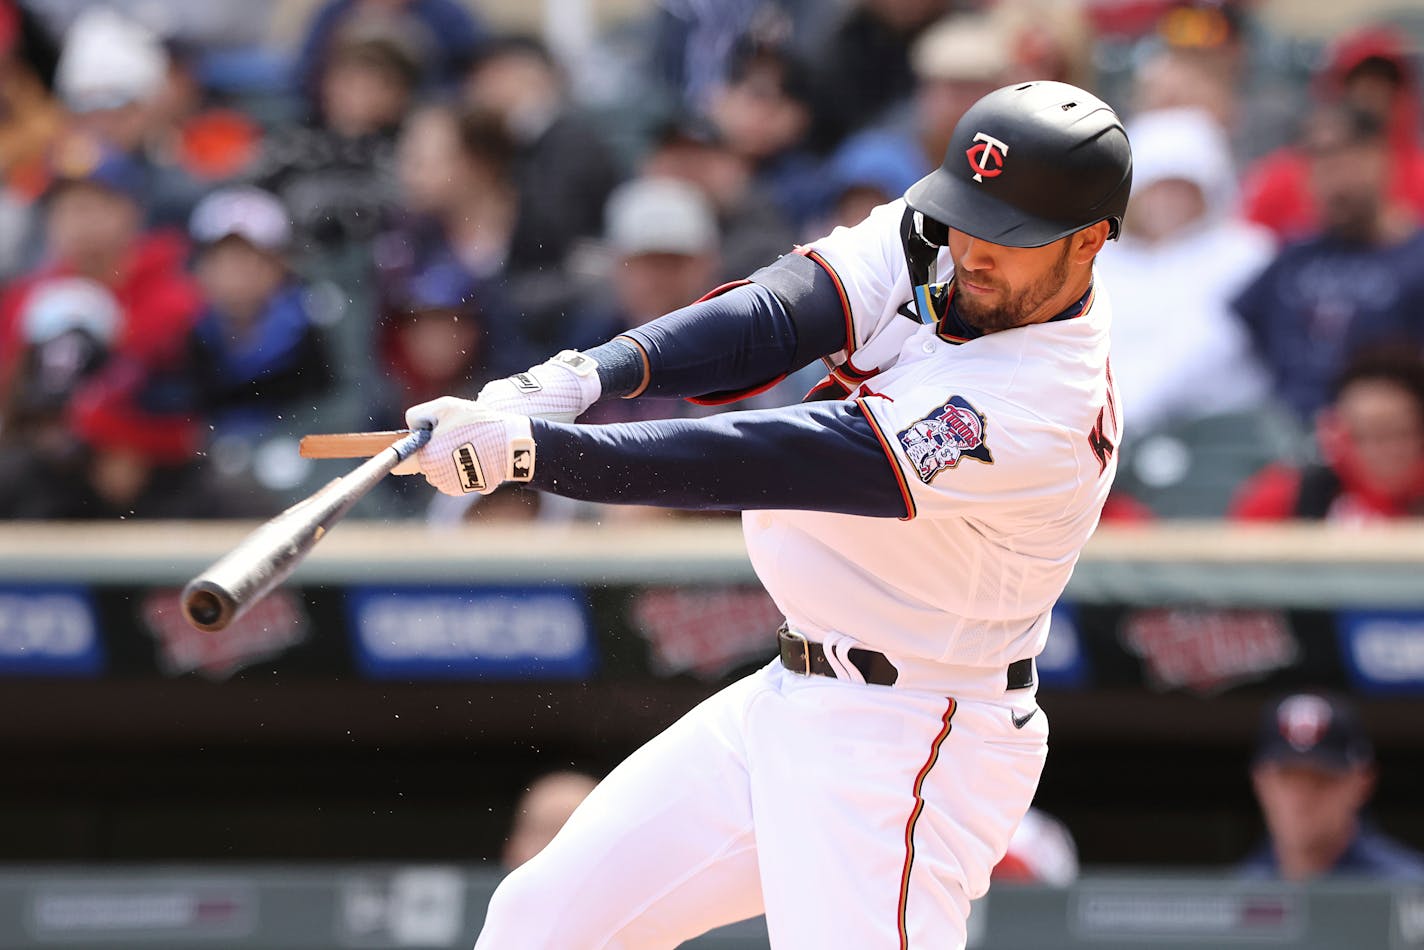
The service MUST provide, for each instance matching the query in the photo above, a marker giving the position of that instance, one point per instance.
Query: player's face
(1000, 287)
(1310, 811)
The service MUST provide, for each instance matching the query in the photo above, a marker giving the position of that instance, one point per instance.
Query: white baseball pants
(857, 817)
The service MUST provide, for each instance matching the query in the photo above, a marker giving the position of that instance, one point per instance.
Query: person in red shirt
(1371, 442)
(93, 227)
(1370, 70)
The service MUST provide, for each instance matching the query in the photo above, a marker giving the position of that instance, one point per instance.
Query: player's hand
(474, 448)
(559, 389)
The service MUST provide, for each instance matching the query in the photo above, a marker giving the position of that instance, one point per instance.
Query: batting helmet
(1029, 164)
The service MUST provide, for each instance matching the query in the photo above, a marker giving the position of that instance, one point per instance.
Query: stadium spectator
(689, 46)
(1313, 774)
(1179, 351)
(30, 121)
(862, 67)
(457, 195)
(93, 228)
(133, 453)
(663, 238)
(254, 350)
(1371, 70)
(208, 144)
(954, 62)
(1353, 285)
(445, 34)
(763, 113)
(562, 167)
(754, 232)
(435, 341)
(1371, 442)
(112, 74)
(335, 174)
(67, 327)
(1050, 39)
(867, 171)
(542, 810)
(1181, 79)
(460, 210)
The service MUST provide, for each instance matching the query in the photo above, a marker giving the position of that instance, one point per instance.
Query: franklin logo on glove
(468, 464)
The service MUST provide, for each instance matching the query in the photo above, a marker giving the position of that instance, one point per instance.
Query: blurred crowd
(214, 239)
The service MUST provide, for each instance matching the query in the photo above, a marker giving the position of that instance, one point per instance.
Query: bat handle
(412, 443)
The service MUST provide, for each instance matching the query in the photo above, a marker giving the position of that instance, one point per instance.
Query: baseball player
(915, 520)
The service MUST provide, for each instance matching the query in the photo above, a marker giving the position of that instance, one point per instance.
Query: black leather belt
(808, 658)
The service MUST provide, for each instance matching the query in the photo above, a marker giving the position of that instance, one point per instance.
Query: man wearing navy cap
(1313, 773)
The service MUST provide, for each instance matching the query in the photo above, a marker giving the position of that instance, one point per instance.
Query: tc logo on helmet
(986, 159)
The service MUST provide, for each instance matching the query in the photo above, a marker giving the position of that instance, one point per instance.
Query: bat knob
(207, 606)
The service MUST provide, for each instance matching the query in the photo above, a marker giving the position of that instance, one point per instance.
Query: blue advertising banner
(1383, 650)
(48, 630)
(471, 633)
(1062, 664)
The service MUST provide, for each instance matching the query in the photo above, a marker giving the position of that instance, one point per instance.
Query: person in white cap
(1179, 351)
(255, 348)
(663, 243)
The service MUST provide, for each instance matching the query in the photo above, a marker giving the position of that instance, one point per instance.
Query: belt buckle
(789, 634)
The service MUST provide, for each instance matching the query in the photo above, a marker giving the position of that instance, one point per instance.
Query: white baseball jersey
(819, 799)
(1004, 443)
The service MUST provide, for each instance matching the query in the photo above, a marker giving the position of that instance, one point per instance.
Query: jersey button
(929, 346)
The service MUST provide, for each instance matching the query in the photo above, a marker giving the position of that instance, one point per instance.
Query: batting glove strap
(559, 390)
(473, 448)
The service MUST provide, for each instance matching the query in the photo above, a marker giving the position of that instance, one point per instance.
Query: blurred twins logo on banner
(48, 630)
(272, 626)
(707, 632)
(1207, 650)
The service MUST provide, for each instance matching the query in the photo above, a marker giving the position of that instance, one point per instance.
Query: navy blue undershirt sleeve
(821, 456)
(787, 316)
(736, 340)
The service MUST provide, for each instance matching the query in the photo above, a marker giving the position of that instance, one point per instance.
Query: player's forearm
(787, 316)
(816, 457)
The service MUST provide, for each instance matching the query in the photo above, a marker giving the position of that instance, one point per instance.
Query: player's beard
(1005, 309)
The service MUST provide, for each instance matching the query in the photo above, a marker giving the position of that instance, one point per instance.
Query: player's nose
(975, 255)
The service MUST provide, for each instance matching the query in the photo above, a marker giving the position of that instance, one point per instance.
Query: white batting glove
(474, 448)
(559, 389)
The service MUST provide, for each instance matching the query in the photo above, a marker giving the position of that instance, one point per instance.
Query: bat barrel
(208, 606)
(266, 557)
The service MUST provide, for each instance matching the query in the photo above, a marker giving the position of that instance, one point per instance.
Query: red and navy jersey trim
(902, 908)
(894, 462)
(840, 292)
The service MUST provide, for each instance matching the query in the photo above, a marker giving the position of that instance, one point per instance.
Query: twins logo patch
(986, 159)
(953, 431)
(468, 465)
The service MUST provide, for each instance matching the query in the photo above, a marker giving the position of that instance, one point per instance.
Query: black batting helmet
(1029, 164)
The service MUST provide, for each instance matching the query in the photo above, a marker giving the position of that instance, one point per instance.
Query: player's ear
(1087, 242)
